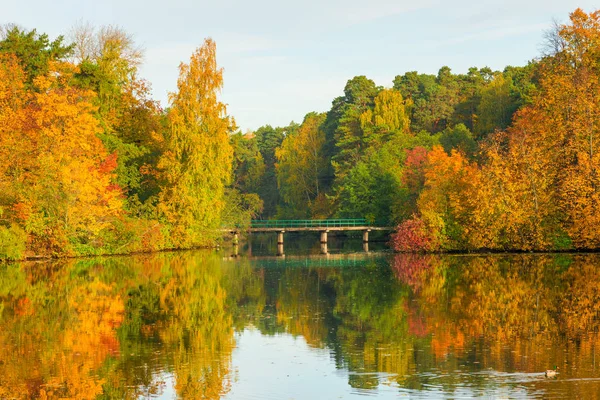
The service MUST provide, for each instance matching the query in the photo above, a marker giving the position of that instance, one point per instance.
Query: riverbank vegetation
(499, 160)
(91, 164)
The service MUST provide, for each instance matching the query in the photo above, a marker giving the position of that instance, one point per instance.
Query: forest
(493, 160)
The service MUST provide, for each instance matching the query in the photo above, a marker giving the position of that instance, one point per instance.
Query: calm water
(204, 325)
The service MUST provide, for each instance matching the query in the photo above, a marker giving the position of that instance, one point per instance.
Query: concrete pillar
(366, 236)
(324, 249)
(324, 237)
(280, 252)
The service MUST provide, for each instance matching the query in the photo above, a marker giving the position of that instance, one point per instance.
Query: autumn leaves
(90, 165)
(534, 186)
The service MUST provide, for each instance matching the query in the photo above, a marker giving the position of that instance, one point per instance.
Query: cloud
(233, 42)
(493, 33)
(170, 54)
(362, 11)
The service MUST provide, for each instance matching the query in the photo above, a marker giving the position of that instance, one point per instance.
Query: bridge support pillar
(366, 236)
(324, 237)
(324, 249)
(280, 252)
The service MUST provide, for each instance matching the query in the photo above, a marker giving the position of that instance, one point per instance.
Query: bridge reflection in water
(316, 260)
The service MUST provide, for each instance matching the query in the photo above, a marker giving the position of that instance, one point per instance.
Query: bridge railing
(309, 223)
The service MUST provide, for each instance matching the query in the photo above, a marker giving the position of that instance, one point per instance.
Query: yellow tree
(200, 330)
(388, 116)
(300, 162)
(447, 200)
(198, 158)
(570, 109)
(546, 167)
(13, 98)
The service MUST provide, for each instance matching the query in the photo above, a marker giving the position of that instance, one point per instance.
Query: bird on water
(551, 372)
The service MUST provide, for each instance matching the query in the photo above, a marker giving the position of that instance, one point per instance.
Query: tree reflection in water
(134, 326)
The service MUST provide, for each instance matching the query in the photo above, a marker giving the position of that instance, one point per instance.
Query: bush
(412, 236)
(12, 243)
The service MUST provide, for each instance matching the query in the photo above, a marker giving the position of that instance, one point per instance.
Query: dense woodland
(90, 164)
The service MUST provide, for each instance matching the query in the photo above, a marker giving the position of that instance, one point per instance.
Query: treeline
(90, 164)
(357, 160)
(503, 160)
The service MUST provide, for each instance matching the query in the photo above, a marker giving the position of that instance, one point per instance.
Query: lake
(207, 325)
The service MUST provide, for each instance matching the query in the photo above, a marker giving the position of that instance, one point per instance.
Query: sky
(283, 59)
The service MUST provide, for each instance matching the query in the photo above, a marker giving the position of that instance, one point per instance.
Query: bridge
(324, 226)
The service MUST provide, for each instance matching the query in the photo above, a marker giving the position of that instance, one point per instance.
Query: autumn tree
(447, 200)
(55, 174)
(568, 116)
(108, 61)
(544, 170)
(197, 163)
(387, 117)
(299, 162)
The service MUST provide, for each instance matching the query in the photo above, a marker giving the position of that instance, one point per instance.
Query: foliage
(537, 185)
(56, 174)
(458, 138)
(34, 51)
(412, 236)
(240, 208)
(268, 139)
(196, 166)
(299, 160)
(91, 164)
(12, 242)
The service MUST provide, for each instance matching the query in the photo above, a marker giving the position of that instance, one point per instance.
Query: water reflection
(208, 325)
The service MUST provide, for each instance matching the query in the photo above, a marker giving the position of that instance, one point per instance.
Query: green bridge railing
(309, 223)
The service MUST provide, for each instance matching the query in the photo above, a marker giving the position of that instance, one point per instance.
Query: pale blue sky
(284, 59)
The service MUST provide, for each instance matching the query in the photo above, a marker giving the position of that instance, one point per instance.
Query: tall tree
(108, 60)
(197, 163)
(299, 162)
(268, 140)
(495, 109)
(359, 96)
